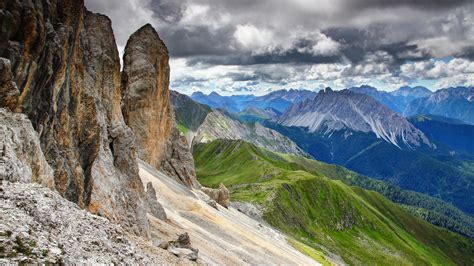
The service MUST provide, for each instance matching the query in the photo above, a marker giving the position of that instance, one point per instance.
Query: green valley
(321, 208)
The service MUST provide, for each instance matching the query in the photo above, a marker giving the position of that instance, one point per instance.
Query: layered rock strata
(65, 64)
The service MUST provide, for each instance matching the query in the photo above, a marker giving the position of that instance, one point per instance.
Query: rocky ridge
(337, 110)
(456, 103)
(219, 125)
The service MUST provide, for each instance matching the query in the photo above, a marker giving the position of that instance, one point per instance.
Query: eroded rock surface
(9, 92)
(147, 109)
(145, 81)
(178, 161)
(21, 157)
(219, 125)
(38, 226)
(154, 206)
(220, 195)
(66, 66)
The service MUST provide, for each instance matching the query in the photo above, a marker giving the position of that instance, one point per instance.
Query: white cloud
(254, 39)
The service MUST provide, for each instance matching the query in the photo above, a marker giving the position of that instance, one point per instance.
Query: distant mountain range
(332, 111)
(455, 103)
(364, 130)
(396, 100)
(358, 132)
(278, 100)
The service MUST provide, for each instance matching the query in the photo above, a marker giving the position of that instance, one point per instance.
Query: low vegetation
(313, 203)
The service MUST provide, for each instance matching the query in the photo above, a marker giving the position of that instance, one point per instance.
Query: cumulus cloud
(219, 44)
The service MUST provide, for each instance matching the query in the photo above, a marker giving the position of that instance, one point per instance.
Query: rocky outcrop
(21, 157)
(9, 92)
(66, 66)
(178, 161)
(219, 125)
(146, 97)
(154, 207)
(147, 109)
(38, 226)
(220, 195)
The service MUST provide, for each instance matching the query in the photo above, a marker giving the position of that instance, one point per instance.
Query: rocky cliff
(147, 109)
(65, 65)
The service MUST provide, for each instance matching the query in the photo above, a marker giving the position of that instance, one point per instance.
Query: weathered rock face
(178, 161)
(154, 206)
(9, 93)
(66, 66)
(21, 158)
(54, 230)
(147, 109)
(145, 81)
(220, 195)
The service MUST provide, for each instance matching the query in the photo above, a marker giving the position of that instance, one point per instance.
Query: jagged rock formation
(38, 226)
(337, 110)
(145, 81)
(178, 161)
(219, 125)
(147, 108)
(66, 66)
(21, 158)
(220, 195)
(154, 207)
(9, 93)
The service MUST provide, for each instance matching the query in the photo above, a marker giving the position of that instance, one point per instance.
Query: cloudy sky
(255, 46)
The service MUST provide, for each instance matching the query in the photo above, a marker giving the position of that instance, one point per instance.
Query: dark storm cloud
(358, 42)
(423, 4)
(292, 56)
(167, 10)
(372, 36)
(199, 40)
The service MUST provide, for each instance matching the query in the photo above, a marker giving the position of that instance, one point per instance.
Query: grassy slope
(424, 171)
(359, 225)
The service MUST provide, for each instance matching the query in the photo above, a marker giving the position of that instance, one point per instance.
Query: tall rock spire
(147, 108)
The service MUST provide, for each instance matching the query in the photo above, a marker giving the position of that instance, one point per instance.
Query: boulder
(220, 195)
(182, 248)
